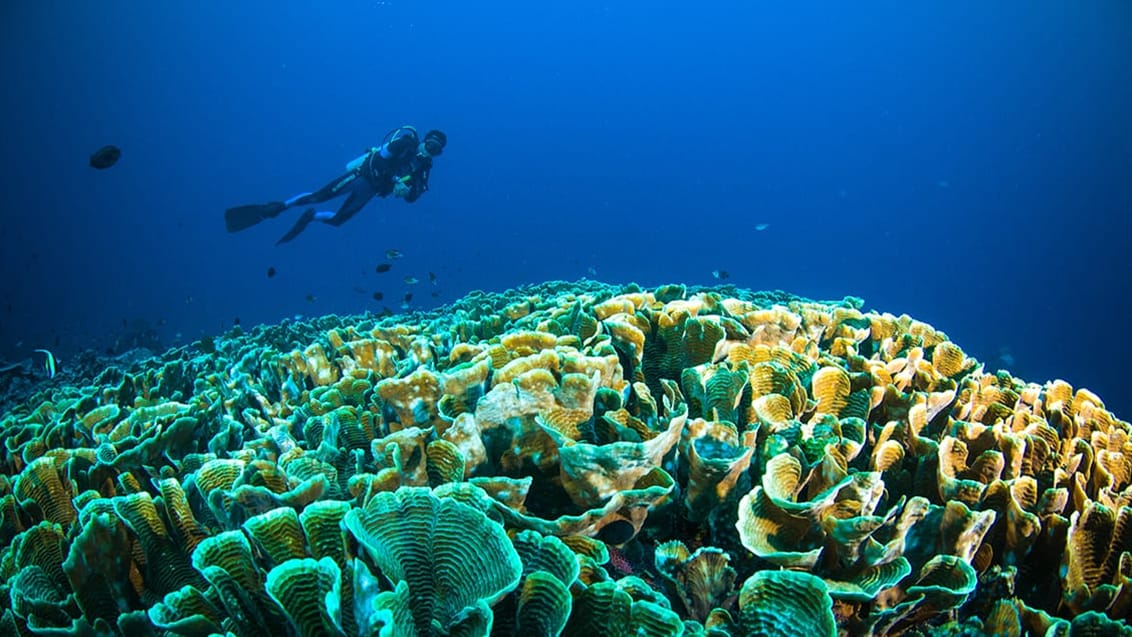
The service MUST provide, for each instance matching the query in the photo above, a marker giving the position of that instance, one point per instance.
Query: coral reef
(568, 458)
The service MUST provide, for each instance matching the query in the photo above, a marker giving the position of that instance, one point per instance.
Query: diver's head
(434, 142)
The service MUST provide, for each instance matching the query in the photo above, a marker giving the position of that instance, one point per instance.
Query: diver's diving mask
(434, 142)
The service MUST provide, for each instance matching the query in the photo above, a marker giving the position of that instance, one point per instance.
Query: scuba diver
(400, 166)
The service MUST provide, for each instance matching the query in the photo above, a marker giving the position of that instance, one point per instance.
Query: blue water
(963, 162)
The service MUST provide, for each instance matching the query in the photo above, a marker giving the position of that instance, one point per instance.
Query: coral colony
(569, 458)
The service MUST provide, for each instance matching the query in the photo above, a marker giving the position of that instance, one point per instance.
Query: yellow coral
(831, 388)
(545, 361)
(40, 486)
(413, 398)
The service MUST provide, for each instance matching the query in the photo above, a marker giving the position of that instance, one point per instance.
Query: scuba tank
(357, 162)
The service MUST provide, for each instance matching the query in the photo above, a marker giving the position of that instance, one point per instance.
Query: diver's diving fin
(244, 217)
(300, 225)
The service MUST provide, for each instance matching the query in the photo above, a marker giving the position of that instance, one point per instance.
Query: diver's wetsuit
(397, 160)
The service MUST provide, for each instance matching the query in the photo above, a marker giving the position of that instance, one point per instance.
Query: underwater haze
(965, 163)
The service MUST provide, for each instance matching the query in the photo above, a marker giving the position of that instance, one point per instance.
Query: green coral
(786, 603)
(451, 556)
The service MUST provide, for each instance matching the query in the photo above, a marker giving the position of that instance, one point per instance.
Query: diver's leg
(360, 195)
(242, 217)
(300, 225)
(329, 191)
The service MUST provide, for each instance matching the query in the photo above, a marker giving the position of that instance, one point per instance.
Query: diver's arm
(399, 147)
(418, 185)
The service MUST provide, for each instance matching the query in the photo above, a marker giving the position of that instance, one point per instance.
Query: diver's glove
(400, 188)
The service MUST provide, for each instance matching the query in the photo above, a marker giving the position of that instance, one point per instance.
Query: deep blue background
(963, 162)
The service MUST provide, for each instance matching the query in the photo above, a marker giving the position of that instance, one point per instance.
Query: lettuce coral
(569, 458)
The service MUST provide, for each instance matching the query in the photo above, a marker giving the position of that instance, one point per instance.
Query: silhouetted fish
(432, 278)
(408, 296)
(383, 267)
(270, 272)
(377, 296)
(105, 157)
(721, 274)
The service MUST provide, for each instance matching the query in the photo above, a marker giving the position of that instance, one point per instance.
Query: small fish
(410, 280)
(432, 278)
(592, 270)
(311, 298)
(393, 253)
(105, 157)
(236, 321)
(404, 305)
(377, 296)
(408, 297)
(383, 267)
(48, 364)
(759, 227)
(436, 294)
(270, 271)
(721, 274)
